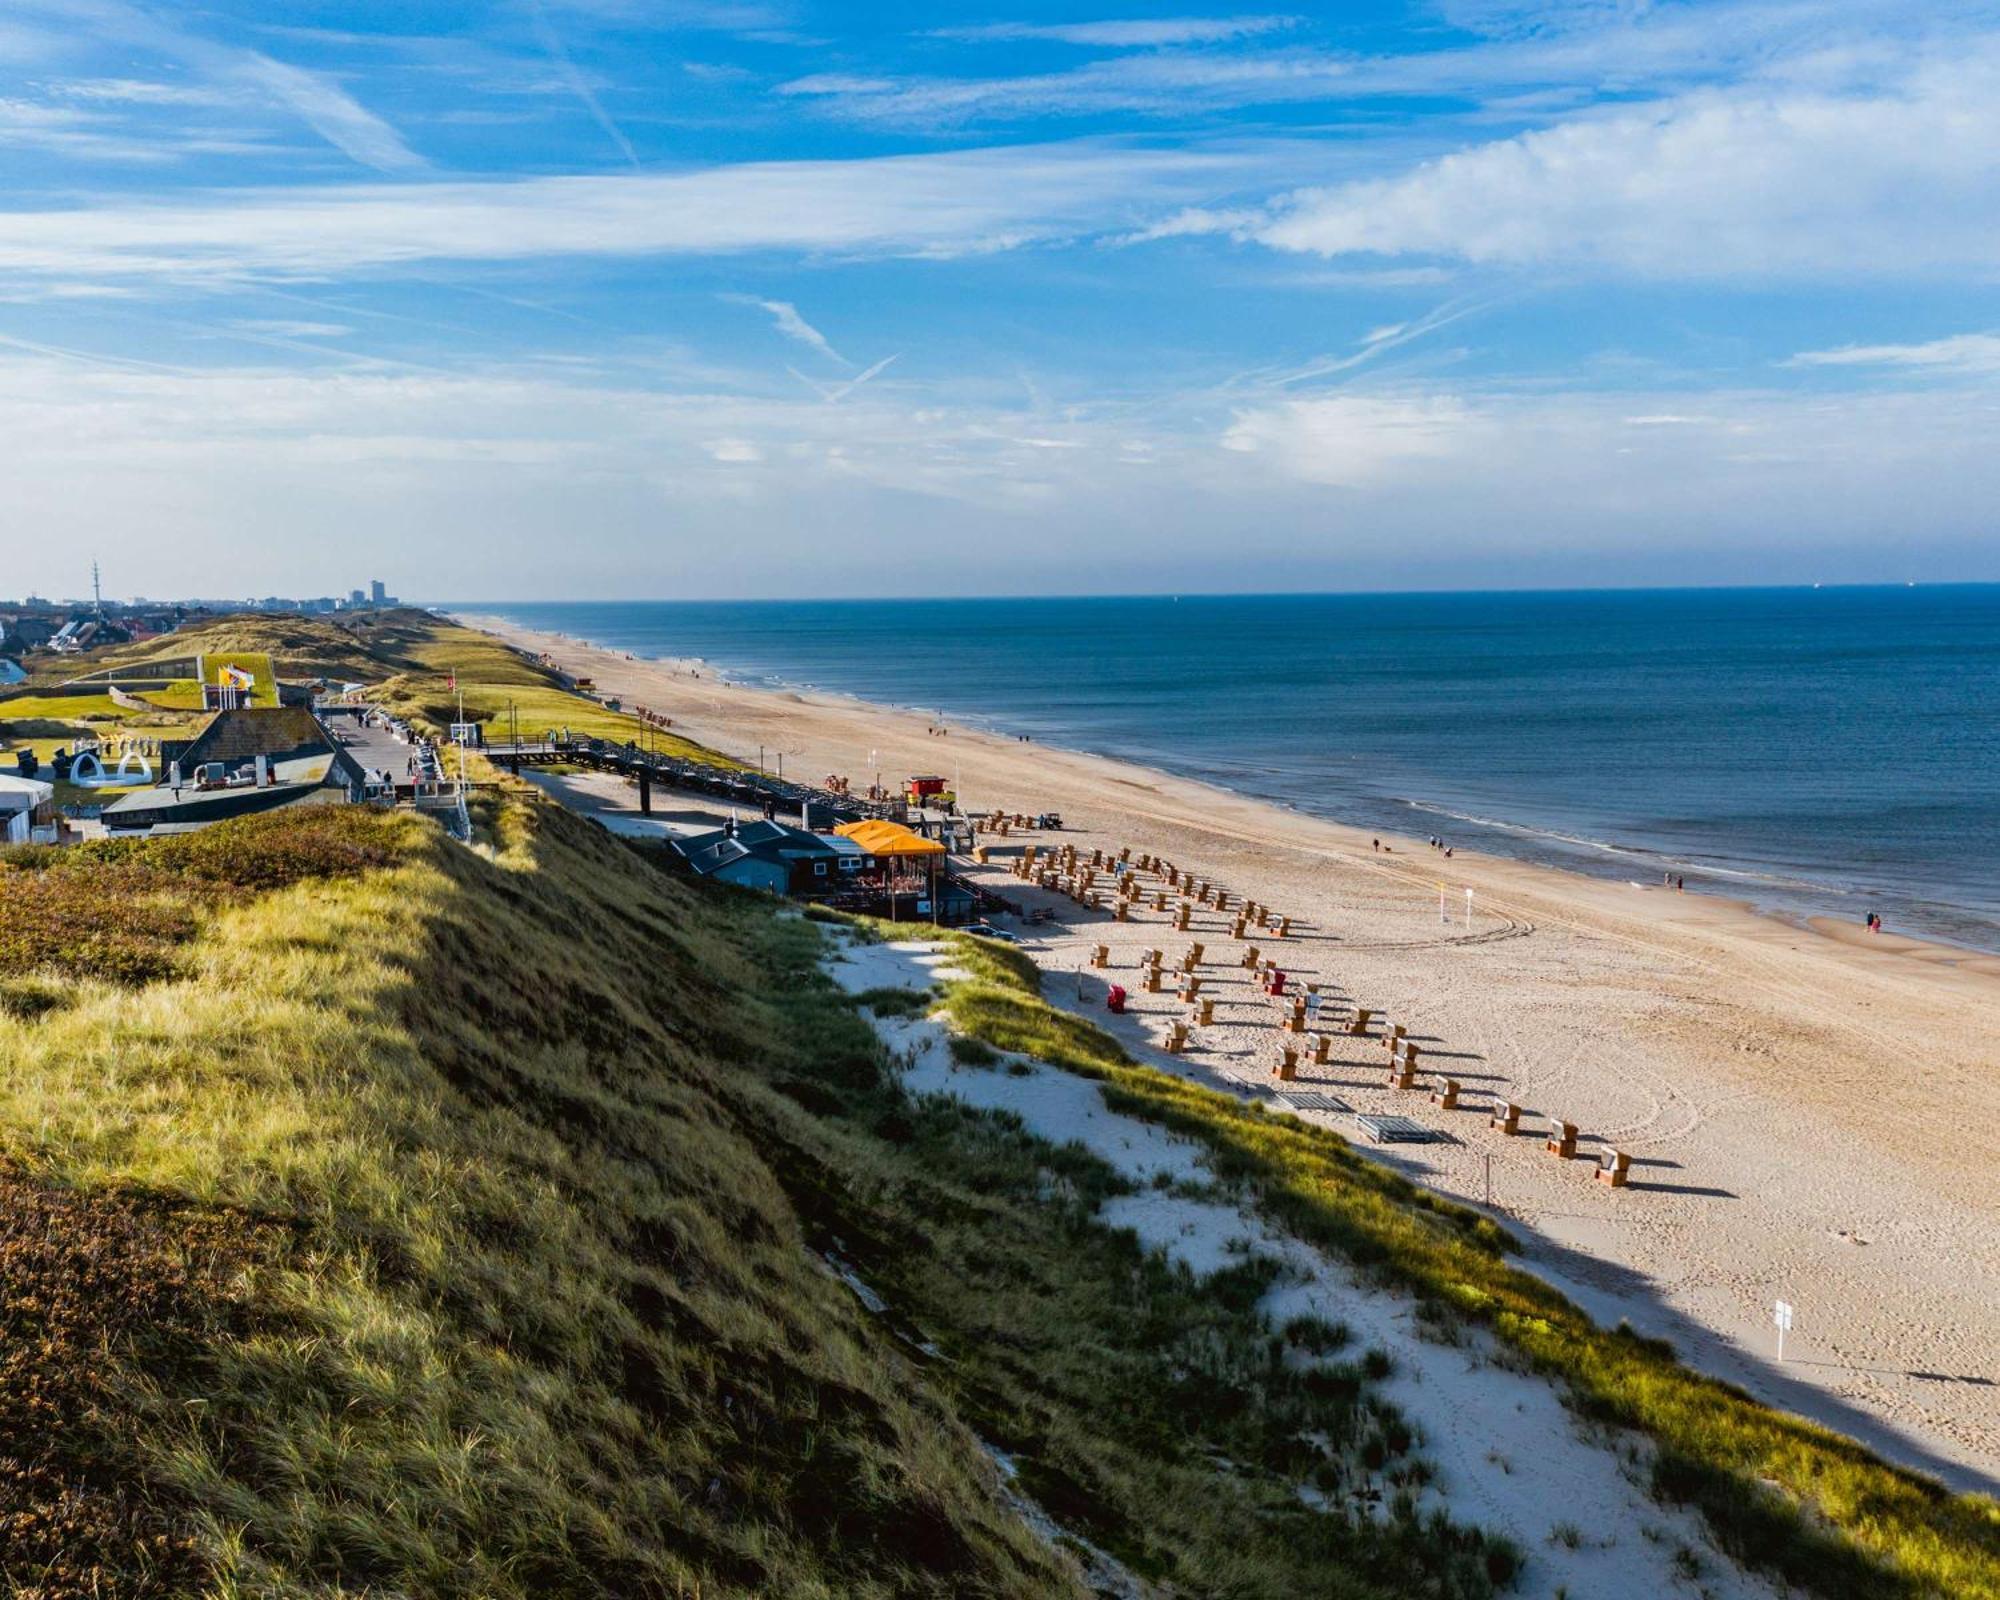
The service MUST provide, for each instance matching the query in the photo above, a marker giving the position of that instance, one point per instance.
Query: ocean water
(1813, 750)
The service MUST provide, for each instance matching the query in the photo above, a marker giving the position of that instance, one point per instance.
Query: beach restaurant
(909, 876)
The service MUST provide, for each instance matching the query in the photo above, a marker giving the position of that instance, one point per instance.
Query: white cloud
(1132, 34)
(165, 471)
(1898, 178)
(939, 205)
(284, 328)
(792, 325)
(318, 101)
(1352, 440)
(1962, 352)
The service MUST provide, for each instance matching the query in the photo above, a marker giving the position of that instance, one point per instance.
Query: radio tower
(96, 589)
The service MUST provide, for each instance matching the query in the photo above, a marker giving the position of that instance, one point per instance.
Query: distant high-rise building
(377, 593)
(356, 598)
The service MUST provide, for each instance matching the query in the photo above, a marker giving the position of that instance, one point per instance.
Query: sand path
(1814, 1111)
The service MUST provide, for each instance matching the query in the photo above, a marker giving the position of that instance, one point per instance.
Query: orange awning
(882, 838)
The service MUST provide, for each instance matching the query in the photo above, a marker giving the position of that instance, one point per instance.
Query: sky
(658, 298)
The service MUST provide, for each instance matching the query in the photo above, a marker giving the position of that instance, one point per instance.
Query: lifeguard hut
(922, 790)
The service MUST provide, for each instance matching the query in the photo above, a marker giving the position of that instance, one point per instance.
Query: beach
(1808, 1105)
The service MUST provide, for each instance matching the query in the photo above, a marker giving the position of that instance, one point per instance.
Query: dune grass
(1780, 1493)
(543, 1166)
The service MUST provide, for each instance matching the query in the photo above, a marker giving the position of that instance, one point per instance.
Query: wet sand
(1812, 1110)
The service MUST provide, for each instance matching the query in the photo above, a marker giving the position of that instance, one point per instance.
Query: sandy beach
(1810, 1108)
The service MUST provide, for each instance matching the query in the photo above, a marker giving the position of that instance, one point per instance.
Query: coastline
(1804, 1148)
(1934, 952)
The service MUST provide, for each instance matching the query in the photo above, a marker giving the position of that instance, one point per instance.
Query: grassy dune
(1780, 1493)
(506, 1181)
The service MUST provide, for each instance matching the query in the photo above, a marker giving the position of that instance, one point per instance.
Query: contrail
(576, 81)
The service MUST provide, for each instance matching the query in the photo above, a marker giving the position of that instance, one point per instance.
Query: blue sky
(661, 297)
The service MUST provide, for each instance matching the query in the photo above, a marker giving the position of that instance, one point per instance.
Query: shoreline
(1930, 949)
(1798, 1098)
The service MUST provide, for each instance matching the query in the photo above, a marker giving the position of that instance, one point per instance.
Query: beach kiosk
(909, 862)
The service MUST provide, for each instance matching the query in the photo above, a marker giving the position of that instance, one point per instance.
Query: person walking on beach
(1680, 885)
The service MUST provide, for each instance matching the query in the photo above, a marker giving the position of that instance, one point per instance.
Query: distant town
(72, 626)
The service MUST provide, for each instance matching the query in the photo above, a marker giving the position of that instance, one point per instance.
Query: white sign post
(1781, 1314)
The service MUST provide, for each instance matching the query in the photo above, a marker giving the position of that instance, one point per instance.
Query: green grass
(541, 1151)
(1779, 1493)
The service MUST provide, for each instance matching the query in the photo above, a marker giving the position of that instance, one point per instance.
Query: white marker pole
(1781, 1314)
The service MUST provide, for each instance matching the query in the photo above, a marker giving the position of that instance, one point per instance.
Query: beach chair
(1183, 917)
(1322, 1048)
(1100, 955)
(1287, 1068)
(1444, 1094)
(1177, 1033)
(1295, 1019)
(1206, 1015)
(1190, 985)
(1284, 928)
(1160, 900)
(1357, 1026)
(1250, 957)
(1122, 911)
(1221, 899)
(1152, 983)
(1506, 1117)
(1401, 1075)
(1194, 954)
(1614, 1167)
(1394, 1035)
(1562, 1139)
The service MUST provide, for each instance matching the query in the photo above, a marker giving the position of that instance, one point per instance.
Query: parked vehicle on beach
(986, 930)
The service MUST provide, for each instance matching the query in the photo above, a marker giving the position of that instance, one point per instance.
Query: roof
(710, 852)
(768, 841)
(882, 838)
(242, 735)
(40, 793)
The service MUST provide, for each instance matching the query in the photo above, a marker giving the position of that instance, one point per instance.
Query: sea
(1816, 751)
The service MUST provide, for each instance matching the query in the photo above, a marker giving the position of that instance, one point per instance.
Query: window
(819, 869)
